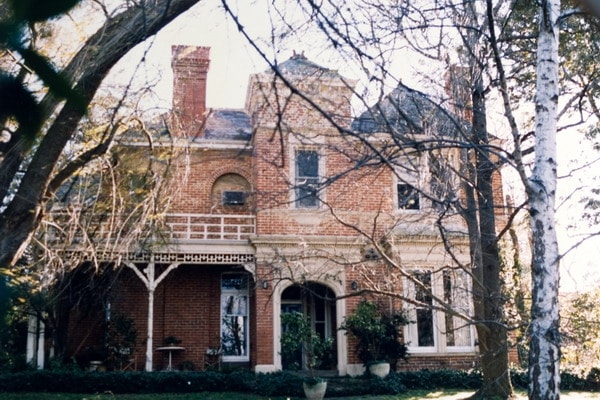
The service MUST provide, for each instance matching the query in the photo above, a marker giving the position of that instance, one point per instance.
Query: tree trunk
(492, 334)
(88, 68)
(544, 340)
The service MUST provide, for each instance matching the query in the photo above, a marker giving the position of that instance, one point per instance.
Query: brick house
(280, 209)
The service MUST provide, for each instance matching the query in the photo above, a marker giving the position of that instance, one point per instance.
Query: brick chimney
(190, 67)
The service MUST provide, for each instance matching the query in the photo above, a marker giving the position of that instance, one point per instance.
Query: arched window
(231, 191)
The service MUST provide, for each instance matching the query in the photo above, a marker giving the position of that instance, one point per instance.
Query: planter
(315, 391)
(96, 365)
(380, 369)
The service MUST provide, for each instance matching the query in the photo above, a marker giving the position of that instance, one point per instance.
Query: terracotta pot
(315, 391)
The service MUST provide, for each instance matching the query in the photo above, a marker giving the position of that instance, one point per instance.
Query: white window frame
(244, 292)
(439, 317)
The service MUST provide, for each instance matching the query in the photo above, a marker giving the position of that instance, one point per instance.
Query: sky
(233, 60)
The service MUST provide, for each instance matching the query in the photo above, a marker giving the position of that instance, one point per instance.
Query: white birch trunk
(544, 353)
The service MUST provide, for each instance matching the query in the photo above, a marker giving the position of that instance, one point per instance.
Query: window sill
(437, 353)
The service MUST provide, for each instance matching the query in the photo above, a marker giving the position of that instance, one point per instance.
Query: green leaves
(56, 82)
(17, 102)
(40, 10)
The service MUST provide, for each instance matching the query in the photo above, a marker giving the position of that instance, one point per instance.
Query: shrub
(377, 333)
(283, 384)
(278, 384)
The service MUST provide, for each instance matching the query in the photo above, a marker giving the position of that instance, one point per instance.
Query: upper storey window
(306, 179)
(426, 180)
(410, 173)
(408, 197)
(230, 192)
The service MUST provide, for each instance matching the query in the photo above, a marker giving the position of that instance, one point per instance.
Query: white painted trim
(266, 368)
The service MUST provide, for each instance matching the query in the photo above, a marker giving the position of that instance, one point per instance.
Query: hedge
(273, 384)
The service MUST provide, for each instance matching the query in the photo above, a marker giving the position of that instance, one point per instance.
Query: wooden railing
(177, 227)
(191, 227)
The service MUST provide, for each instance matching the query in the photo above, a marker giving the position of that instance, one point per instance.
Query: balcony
(173, 228)
(199, 227)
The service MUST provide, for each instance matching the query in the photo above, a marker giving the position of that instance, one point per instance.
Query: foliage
(243, 381)
(377, 333)
(281, 383)
(581, 336)
(299, 335)
(171, 341)
(18, 101)
(121, 340)
(13, 329)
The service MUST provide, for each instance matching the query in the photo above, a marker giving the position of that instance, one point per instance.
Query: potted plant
(171, 341)
(299, 341)
(121, 341)
(377, 335)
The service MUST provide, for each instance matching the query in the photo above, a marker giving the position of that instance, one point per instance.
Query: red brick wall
(186, 305)
(196, 175)
(433, 362)
(262, 349)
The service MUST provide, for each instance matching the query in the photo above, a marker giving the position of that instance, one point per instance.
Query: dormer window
(234, 198)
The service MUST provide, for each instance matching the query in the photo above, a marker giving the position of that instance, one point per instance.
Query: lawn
(410, 395)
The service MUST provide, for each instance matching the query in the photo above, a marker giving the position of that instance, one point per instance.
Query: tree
(581, 337)
(405, 123)
(32, 169)
(502, 48)
(544, 344)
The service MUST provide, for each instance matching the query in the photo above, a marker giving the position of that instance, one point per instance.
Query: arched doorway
(317, 303)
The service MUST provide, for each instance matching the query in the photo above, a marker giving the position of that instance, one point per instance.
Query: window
(231, 198)
(408, 197)
(434, 330)
(424, 312)
(410, 174)
(307, 179)
(234, 316)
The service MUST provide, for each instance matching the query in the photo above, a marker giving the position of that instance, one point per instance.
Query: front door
(317, 303)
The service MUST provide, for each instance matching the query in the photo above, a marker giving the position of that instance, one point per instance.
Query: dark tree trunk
(488, 296)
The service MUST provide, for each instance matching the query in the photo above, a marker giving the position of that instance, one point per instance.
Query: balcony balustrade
(176, 228)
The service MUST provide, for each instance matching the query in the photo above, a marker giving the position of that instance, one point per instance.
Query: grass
(410, 395)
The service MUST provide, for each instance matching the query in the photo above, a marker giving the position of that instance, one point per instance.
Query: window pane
(408, 197)
(307, 178)
(425, 327)
(234, 314)
(424, 313)
(234, 282)
(233, 335)
(234, 310)
(458, 333)
(307, 164)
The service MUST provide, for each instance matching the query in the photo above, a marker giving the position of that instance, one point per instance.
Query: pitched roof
(405, 111)
(228, 124)
(299, 65)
